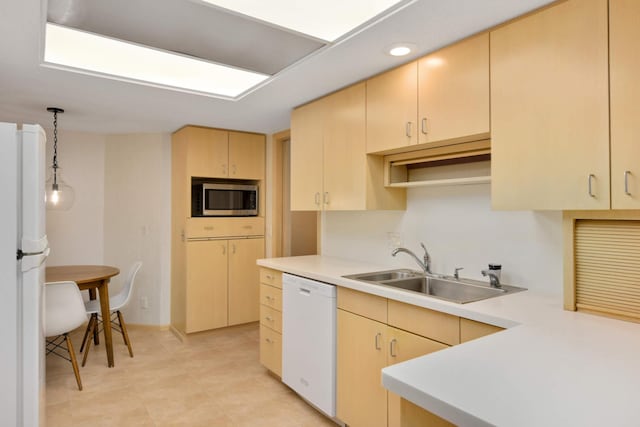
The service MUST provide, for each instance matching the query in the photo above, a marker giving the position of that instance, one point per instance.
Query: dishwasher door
(309, 340)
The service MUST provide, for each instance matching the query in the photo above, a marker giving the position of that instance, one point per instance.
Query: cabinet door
(392, 109)
(344, 151)
(246, 155)
(307, 128)
(361, 355)
(402, 346)
(207, 153)
(549, 109)
(453, 91)
(244, 280)
(624, 34)
(206, 285)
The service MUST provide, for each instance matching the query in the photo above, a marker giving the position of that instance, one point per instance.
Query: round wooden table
(92, 278)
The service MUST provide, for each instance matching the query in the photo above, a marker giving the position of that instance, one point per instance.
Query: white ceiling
(95, 104)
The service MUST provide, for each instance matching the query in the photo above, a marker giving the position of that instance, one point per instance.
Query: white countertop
(550, 368)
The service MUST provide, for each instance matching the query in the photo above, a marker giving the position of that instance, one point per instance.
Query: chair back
(122, 298)
(64, 308)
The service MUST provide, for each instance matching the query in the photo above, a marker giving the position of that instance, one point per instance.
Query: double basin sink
(447, 288)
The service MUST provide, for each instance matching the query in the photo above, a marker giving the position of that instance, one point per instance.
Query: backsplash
(460, 230)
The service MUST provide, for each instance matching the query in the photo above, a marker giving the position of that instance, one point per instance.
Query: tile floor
(215, 379)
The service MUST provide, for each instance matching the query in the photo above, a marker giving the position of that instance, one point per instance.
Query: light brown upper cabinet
(246, 155)
(624, 34)
(329, 166)
(215, 153)
(442, 96)
(307, 132)
(549, 109)
(392, 109)
(453, 92)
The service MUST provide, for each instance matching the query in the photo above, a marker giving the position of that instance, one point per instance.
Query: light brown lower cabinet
(271, 320)
(415, 416)
(221, 287)
(364, 347)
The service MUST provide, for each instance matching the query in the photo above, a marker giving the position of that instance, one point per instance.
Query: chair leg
(125, 335)
(94, 326)
(86, 333)
(96, 334)
(74, 362)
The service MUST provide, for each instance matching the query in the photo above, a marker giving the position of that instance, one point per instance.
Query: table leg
(96, 335)
(103, 291)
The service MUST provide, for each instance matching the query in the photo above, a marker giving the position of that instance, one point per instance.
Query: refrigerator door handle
(29, 262)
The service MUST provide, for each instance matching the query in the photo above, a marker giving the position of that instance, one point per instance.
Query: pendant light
(58, 195)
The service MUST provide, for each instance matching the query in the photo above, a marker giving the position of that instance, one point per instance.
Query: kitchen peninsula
(549, 367)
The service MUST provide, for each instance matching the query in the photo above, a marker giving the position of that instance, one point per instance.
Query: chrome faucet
(425, 264)
(494, 279)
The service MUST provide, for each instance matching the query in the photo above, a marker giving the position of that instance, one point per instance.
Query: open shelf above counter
(460, 164)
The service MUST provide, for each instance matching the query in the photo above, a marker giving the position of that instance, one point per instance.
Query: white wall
(76, 236)
(121, 213)
(460, 230)
(137, 220)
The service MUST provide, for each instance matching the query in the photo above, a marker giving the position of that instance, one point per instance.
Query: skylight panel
(326, 20)
(106, 56)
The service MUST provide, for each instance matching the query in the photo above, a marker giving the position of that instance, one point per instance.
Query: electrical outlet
(144, 303)
(394, 240)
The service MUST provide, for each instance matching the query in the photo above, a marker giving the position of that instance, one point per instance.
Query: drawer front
(271, 277)
(367, 305)
(251, 226)
(470, 329)
(271, 297)
(271, 350)
(271, 318)
(224, 227)
(431, 324)
(207, 227)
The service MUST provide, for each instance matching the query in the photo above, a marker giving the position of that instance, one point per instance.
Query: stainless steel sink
(447, 288)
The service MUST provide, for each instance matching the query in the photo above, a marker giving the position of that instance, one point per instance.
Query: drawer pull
(268, 319)
(270, 277)
(392, 348)
(269, 340)
(209, 227)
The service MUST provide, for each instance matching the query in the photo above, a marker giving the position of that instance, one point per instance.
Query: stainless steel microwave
(224, 199)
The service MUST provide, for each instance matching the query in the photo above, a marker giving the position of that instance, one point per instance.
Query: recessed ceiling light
(106, 56)
(400, 49)
(326, 20)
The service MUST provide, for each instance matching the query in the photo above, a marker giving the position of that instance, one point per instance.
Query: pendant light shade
(58, 194)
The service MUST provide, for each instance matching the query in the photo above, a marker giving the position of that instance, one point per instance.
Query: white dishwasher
(309, 340)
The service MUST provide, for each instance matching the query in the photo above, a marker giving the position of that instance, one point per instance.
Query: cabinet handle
(392, 348)
(626, 182)
(233, 248)
(233, 169)
(317, 198)
(407, 129)
(224, 169)
(423, 126)
(325, 198)
(270, 277)
(378, 336)
(224, 250)
(591, 176)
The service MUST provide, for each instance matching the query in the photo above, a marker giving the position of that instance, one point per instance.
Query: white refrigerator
(23, 251)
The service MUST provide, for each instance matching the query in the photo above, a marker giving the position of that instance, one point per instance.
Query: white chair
(116, 303)
(64, 312)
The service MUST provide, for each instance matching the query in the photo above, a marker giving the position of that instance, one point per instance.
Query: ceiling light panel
(85, 51)
(326, 20)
